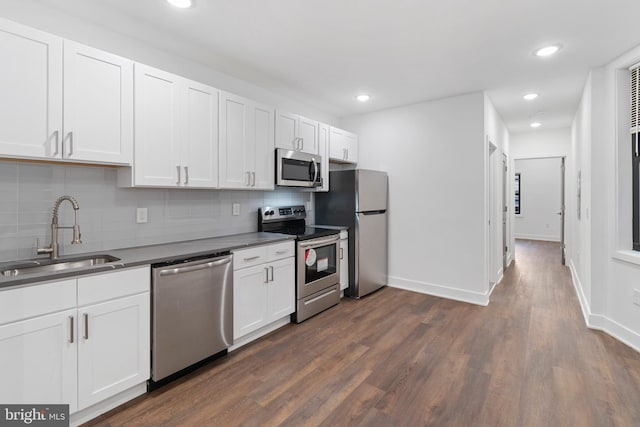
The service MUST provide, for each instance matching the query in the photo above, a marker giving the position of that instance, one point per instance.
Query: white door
(157, 151)
(286, 131)
(308, 133)
(199, 158)
(31, 88)
(39, 359)
(350, 142)
(234, 112)
(98, 105)
(263, 149)
(281, 294)
(337, 149)
(113, 347)
(249, 299)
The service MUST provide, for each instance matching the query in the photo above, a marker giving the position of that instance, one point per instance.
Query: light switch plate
(142, 215)
(236, 209)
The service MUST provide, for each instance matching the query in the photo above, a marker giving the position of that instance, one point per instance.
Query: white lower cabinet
(82, 355)
(344, 260)
(263, 293)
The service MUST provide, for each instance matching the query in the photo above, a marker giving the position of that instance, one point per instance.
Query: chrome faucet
(52, 250)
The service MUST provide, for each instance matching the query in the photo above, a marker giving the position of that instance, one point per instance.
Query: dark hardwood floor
(397, 358)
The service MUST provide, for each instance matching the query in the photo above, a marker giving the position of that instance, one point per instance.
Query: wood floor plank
(398, 358)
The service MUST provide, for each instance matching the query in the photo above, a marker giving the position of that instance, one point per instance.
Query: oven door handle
(318, 242)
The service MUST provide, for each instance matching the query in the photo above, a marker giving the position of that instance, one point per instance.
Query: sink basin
(47, 266)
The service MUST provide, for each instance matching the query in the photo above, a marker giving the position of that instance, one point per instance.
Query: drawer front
(281, 250)
(106, 286)
(30, 301)
(249, 257)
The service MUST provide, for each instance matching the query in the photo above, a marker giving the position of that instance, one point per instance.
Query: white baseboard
(541, 237)
(441, 291)
(603, 323)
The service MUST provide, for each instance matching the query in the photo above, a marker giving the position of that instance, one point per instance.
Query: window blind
(635, 98)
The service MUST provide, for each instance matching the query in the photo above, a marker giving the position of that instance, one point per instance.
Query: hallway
(398, 358)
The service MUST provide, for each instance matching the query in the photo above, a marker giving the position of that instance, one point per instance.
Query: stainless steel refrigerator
(358, 199)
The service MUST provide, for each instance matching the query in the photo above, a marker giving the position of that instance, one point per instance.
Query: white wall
(541, 143)
(606, 271)
(433, 153)
(540, 199)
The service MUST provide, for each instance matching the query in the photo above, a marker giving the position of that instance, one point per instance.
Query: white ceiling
(399, 51)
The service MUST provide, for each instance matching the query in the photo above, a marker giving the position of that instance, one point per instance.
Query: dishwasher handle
(196, 267)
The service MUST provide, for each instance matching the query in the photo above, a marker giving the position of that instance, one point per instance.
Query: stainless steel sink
(46, 266)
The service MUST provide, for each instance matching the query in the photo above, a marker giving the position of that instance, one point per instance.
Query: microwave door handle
(315, 171)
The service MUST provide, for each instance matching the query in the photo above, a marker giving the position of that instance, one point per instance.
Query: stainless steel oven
(296, 169)
(317, 258)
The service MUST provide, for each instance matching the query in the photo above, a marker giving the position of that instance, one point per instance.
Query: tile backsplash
(107, 214)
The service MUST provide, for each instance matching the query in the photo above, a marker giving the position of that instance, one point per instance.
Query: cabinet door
(39, 359)
(199, 158)
(249, 300)
(31, 88)
(336, 145)
(98, 105)
(308, 133)
(113, 347)
(263, 149)
(234, 112)
(287, 131)
(344, 264)
(157, 153)
(351, 145)
(281, 289)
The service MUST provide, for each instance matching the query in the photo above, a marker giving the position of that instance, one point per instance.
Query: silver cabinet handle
(341, 253)
(86, 326)
(56, 141)
(186, 174)
(266, 275)
(347, 154)
(281, 252)
(70, 144)
(248, 184)
(253, 179)
(71, 331)
(271, 269)
(251, 258)
(178, 169)
(301, 143)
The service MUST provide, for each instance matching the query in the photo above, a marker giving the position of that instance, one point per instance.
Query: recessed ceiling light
(363, 97)
(182, 4)
(535, 124)
(530, 96)
(547, 50)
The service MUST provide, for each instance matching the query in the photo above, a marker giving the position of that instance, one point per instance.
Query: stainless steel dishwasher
(192, 313)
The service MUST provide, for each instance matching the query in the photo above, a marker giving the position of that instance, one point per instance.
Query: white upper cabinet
(176, 132)
(62, 100)
(30, 92)
(98, 105)
(246, 144)
(343, 146)
(297, 133)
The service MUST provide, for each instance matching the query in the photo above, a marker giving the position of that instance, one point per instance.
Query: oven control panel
(283, 213)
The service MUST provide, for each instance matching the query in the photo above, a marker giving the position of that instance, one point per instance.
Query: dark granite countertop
(143, 255)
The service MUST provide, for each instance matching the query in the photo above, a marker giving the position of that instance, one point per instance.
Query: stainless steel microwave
(296, 169)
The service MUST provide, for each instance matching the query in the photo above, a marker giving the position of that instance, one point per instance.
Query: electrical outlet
(142, 215)
(636, 297)
(236, 209)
